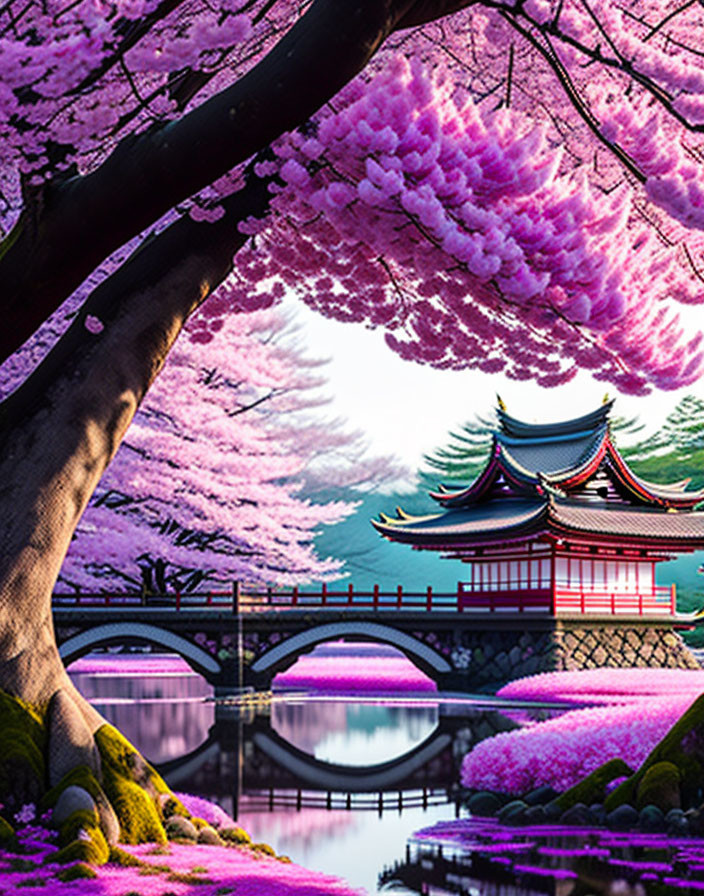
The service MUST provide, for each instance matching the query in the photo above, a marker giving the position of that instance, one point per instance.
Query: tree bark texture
(61, 428)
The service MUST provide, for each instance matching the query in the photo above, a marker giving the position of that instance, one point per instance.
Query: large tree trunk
(58, 432)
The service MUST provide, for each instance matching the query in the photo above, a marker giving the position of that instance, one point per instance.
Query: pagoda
(557, 523)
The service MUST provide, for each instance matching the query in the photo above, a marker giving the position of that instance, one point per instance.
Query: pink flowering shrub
(641, 706)
(218, 870)
(205, 809)
(373, 674)
(605, 685)
(561, 751)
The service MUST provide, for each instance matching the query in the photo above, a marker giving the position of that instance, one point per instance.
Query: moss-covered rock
(235, 835)
(660, 786)
(81, 780)
(592, 788)
(125, 859)
(82, 840)
(76, 872)
(179, 828)
(210, 837)
(133, 788)
(22, 750)
(683, 746)
(81, 776)
(130, 802)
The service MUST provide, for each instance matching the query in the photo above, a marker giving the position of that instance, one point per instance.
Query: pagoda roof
(521, 519)
(515, 514)
(510, 426)
(558, 478)
(566, 459)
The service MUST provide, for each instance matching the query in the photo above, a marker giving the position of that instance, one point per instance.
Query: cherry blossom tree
(513, 185)
(218, 476)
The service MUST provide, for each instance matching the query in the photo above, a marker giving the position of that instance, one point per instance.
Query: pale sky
(407, 409)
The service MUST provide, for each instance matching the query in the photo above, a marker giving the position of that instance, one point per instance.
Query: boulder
(73, 799)
(676, 823)
(553, 811)
(695, 822)
(540, 795)
(210, 837)
(513, 812)
(623, 817)
(536, 815)
(651, 820)
(578, 815)
(597, 810)
(484, 803)
(179, 828)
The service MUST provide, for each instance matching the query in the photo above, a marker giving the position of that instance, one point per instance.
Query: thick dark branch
(157, 259)
(86, 218)
(60, 429)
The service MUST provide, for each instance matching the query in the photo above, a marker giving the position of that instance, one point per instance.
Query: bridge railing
(382, 801)
(252, 599)
(659, 602)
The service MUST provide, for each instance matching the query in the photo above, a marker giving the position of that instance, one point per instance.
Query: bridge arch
(284, 653)
(197, 658)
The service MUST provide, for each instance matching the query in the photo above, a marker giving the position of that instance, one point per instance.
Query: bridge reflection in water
(248, 766)
(291, 771)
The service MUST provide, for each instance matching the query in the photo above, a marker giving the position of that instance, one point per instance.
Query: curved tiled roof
(671, 494)
(511, 515)
(557, 458)
(520, 429)
(524, 517)
(526, 462)
(560, 478)
(630, 522)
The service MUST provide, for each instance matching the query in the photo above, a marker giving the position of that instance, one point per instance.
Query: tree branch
(149, 173)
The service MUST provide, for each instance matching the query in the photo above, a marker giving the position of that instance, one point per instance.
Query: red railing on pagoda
(658, 602)
(567, 601)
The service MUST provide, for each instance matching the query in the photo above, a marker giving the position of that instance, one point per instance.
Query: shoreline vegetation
(209, 851)
(636, 762)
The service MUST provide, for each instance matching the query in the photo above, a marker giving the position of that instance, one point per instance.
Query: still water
(317, 778)
(343, 785)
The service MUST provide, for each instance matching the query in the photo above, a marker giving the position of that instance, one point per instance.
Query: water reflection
(338, 784)
(479, 856)
(350, 733)
(157, 702)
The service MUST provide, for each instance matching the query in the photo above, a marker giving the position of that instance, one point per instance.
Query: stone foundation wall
(484, 659)
(581, 647)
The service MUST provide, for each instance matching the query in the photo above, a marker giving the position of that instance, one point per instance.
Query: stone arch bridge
(459, 650)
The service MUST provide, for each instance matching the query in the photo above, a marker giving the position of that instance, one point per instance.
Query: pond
(343, 783)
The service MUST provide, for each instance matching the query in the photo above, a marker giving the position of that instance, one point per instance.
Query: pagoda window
(515, 575)
(525, 567)
(646, 578)
(587, 576)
